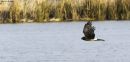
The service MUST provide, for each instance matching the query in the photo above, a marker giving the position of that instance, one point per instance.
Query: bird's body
(89, 34)
(89, 30)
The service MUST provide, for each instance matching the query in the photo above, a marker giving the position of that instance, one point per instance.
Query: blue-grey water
(61, 42)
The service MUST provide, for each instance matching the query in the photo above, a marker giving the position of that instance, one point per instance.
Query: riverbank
(18, 11)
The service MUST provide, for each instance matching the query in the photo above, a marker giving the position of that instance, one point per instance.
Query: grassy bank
(63, 10)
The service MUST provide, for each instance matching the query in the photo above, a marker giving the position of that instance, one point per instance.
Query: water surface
(61, 42)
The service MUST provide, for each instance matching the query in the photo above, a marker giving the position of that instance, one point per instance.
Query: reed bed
(18, 11)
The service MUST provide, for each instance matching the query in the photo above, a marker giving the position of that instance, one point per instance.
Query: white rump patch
(95, 38)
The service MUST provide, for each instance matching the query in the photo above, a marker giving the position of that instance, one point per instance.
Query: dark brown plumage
(89, 30)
